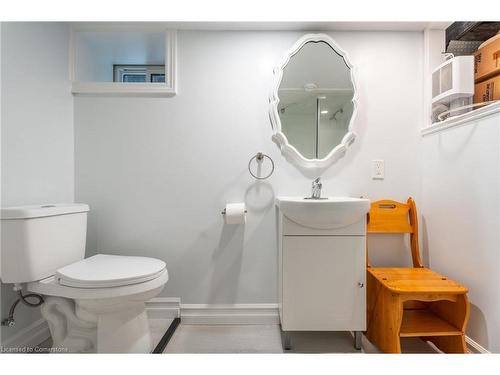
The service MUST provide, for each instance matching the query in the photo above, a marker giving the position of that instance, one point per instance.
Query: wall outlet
(378, 169)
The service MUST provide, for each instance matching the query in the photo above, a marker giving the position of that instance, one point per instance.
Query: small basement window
(120, 59)
(139, 73)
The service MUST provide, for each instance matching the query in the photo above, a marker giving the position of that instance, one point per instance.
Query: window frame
(149, 71)
(162, 89)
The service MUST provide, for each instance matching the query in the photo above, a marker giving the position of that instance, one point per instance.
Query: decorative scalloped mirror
(313, 103)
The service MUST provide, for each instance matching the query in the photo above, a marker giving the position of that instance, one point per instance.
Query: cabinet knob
(361, 285)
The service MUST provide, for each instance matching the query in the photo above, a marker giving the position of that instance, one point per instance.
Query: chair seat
(416, 280)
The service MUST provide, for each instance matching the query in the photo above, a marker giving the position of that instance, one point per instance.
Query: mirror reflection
(315, 100)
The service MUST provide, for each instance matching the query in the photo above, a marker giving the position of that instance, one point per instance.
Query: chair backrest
(387, 216)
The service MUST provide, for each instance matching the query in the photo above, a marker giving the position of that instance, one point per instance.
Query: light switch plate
(378, 169)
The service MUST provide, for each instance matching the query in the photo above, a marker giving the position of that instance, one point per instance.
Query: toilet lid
(104, 271)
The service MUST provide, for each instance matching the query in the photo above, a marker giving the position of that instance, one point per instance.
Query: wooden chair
(411, 302)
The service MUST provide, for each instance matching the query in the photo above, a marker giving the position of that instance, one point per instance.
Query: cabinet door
(324, 283)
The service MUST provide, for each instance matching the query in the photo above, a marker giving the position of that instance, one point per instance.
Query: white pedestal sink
(322, 261)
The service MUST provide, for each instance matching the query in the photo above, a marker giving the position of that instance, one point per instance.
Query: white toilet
(91, 305)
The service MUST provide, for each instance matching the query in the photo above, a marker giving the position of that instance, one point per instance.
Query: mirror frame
(289, 151)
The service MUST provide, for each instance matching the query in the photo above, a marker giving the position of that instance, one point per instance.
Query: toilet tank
(38, 240)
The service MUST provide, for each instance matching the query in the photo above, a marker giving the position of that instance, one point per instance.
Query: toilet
(93, 305)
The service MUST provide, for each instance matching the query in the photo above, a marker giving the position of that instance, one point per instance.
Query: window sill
(122, 89)
(460, 120)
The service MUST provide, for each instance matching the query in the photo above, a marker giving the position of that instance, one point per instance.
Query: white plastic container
(453, 79)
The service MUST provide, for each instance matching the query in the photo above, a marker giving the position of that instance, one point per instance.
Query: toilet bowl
(94, 304)
(98, 304)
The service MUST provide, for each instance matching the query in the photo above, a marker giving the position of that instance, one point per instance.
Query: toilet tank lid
(27, 212)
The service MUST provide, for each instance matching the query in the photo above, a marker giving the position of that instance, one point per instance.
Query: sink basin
(329, 213)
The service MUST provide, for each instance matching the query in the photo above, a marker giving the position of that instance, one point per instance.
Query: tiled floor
(267, 339)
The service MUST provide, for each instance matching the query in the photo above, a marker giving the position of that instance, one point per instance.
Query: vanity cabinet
(322, 275)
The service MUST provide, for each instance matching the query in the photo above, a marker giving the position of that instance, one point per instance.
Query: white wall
(461, 217)
(37, 151)
(158, 171)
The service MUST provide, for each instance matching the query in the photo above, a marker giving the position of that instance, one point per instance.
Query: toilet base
(115, 325)
(99, 320)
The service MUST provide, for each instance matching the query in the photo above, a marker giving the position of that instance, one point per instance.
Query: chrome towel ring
(259, 158)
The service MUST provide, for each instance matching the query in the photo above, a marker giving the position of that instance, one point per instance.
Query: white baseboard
(163, 308)
(261, 313)
(171, 307)
(30, 336)
(474, 347)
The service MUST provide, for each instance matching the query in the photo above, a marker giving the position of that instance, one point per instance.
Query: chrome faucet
(316, 189)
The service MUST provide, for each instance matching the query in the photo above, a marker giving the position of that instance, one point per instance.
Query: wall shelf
(460, 120)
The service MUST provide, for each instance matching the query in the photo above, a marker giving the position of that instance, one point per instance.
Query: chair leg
(457, 314)
(385, 313)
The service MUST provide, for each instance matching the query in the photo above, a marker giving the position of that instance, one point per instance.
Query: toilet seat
(104, 276)
(106, 271)
(51, 287)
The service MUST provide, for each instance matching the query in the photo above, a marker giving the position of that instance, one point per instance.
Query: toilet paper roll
(235, 213)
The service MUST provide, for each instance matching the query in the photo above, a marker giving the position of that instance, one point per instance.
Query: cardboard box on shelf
(487, 59)
(487, 90)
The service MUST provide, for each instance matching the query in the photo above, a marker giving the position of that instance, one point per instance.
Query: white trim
(433, 46)
(30, 336)
(121, 89)
(426, 110)
(171, 59)
(290, 152)
(261, 313)
(171, 307)
(474, 347)
(163, 308)
(466, 118)
(71, 57)
(167, 89)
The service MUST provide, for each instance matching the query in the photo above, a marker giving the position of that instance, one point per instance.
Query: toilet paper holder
(224, 211)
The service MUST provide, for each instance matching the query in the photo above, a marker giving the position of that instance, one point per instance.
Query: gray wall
(37, 127)
(157, 171)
